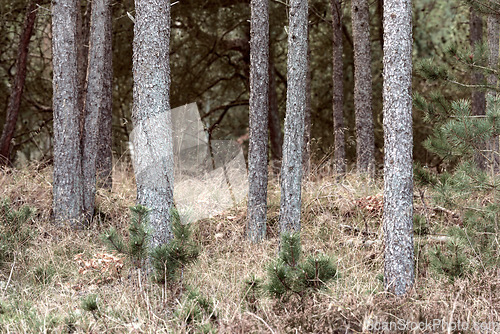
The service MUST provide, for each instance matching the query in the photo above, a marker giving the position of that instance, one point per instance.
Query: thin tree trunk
(67, 187)
(493, 40)
(259, 113)
(478, 97)
(291, 169)
(306, 149)
(95, 101)
(151, 115)
(338, 89)
(380, 11)
(365, 142)
(105, 155)
(398, 141)
(275, 136)
(14, 102)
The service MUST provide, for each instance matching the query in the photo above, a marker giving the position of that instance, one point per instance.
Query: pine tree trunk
(493, 40)
(478, 97)
(95, 101)
(291, 168)
(398, 141)
(338, 89)
(67, 187)
(259, 100)
(365, 143)
(104, 155)
(14, 102)
(151, 115)
(275, 137)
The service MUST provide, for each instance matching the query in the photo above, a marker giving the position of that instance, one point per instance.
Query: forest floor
(47, 272)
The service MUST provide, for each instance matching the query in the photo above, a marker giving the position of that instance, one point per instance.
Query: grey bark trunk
(14, 102)
(338, 89)
(493, 40)
(291, 169)
(104, 155)
(67, 187)
(478, 102)
(365, 143)
(259, 100)
(275, 136)
(151, 115)
(398, 142)
(95, 101)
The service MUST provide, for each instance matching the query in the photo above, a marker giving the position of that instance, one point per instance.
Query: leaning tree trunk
(478, 97)
(365, 143)
(14, 103)
(338, 89)
(398, 144)
(291, 168)
(493, 40)
(104, 156)
(151, 115)
(259, 109)
(95, 101)
(67, 187)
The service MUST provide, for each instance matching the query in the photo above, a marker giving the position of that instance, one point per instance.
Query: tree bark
(291, 169)
(275, 137)
(67, 187)
(151, 115)
(338, 89)
(105, 155)
(259, 113)
(398, 141)
(95, 101)
(493, 40)
(14, 102)
(365, 142)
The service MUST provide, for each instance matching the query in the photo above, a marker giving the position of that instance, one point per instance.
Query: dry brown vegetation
(42, 287)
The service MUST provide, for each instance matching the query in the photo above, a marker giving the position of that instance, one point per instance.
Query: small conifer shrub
(467, 147)
(90, 304)
(139, 236)
(170, 259)
(197, 311)
(15, 232)
(167, 260)
(289, 274)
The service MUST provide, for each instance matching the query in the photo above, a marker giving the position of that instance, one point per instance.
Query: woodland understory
(48, 273)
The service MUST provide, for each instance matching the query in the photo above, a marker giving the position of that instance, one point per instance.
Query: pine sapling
(169, 260)
(289, 275)
(137, 248)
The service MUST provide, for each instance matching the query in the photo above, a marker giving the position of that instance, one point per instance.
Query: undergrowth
(65, 281)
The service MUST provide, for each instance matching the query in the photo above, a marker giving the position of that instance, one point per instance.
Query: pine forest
(249, 166)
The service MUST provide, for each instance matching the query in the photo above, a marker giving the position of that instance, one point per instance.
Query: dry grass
(41, 290)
